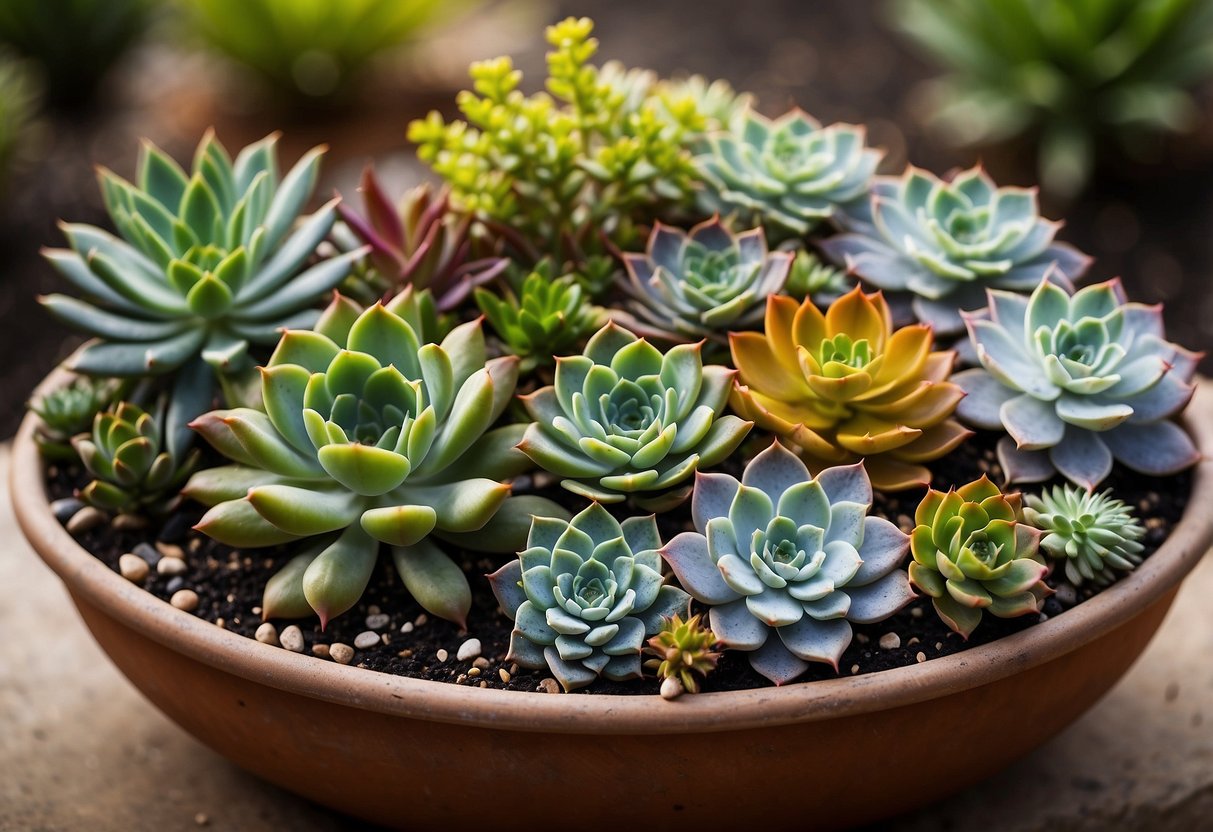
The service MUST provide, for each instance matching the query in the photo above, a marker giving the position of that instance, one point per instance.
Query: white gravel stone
(890, 641)
(185, 599)
(133, 568)
(171, 566)
(377, 620)
(469, 650)
(366, 640)
(170, 550)
(341, 653)
(267, 633)
(671, 689)
(407, 627)
(85, 519)
(292, 639)
(549, 685)
(442, 655)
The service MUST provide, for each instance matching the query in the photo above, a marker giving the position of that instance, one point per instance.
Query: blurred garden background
(1105, 103)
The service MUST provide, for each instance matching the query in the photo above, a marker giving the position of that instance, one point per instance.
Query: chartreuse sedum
(973, 553)
(623, 420)
(370, 436)
(844, 386)
(206, 263)
(585, 594)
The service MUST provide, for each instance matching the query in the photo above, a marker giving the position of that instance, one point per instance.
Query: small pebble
(939, 645)
(373, 609)
(377, 621)
(474, 671)
(174, 584)
(854, 669)
(442, 655)
(366, 640)
(916, 612)
(862, 638)
(481, 663)
(64, 509)
(341, 653)
(201, 819)
(890, 641)
(549, 685)
(320, 650)
(292, 639)
(1066, 595)
(469, 650)
(921, 657)
(420, 620)
(267, 633)
(128, 522)
(505, 675)
(912, 641)
(171, 566)
(85, 519)
(133, 568)
(406, 627)
(170, 550)
(185, 599)
(147, 552)
(671, 689)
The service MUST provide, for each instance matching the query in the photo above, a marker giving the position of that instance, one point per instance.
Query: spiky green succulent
(818, 281)
(974, 554)
(944, 243)
(1078, 381)
(786, 562)
(137, 460)
(789, 174)
(623, 420)
(1092, 534)
(687, 286)
(369, 436)
(207, 266)
(585, 594)
(542, 318)
(69, 410)
(1077, 78)
(684, 651)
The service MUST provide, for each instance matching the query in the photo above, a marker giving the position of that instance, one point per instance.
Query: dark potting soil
(229, 584)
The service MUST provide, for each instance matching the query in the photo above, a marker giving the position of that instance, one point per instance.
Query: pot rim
(92, 582)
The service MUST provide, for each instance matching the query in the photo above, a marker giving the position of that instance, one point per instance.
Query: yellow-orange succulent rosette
(843, 386)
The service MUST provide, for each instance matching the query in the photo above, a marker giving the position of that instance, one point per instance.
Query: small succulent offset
(789, 174)
(687, 286)
(138, 460)
(811, 278)
(69, 410)
(368, 437)
(1077, 381)
(585, 594)
(787, 562)
(419, 242)
(544, 317)
(973, 553)
(845, 386)
(945, 243)
(622, 420)
(207, 264)
(1092, 534)
(682, 651)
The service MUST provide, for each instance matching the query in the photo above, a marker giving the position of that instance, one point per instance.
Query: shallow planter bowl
(429, 755)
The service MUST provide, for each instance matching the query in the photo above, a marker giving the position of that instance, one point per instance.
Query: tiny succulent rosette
(369, 436)
(69, 410)
(945, 243)
(843, 386)
(137, 460)
(973, 553)
(691, 285)
(420, 242)
(207, 263)
(683, 652)
(1093, 535)
(585, 594)
(787, 562)
(1077, 381)
(790, 173)
(625, 421)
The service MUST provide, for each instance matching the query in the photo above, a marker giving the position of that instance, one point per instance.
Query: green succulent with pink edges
(974, 554)
(370, 436)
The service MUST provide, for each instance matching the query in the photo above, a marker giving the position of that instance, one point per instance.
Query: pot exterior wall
(822, 774)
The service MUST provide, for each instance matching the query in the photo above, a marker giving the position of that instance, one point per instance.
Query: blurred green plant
(312, 48)
(18, 108)
(1077, 75)
(73, 43)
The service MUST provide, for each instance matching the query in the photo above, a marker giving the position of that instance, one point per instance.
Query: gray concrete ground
(79, 748)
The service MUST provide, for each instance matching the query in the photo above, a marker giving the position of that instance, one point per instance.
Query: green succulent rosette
(625, 421)
(1092, 535)
(370, 437)
(585, 594)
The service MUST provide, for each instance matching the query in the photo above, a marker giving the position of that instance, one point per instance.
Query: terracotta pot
(428, 755)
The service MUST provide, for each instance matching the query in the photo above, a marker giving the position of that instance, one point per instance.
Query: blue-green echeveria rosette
(369, 436)
(691, 285)
(585, 594)
(790, 174)
(623, 420)
(787, 562)
(946, 242)
(1077, 381)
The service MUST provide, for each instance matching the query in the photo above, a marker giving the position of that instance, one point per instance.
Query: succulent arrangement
(602, 363)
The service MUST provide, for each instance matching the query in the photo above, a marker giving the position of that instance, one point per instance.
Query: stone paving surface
(80, 749)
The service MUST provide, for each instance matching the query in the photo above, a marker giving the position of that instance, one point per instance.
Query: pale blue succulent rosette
(585, 594)
(1078, 380)
(946, 243)
(787, 562)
